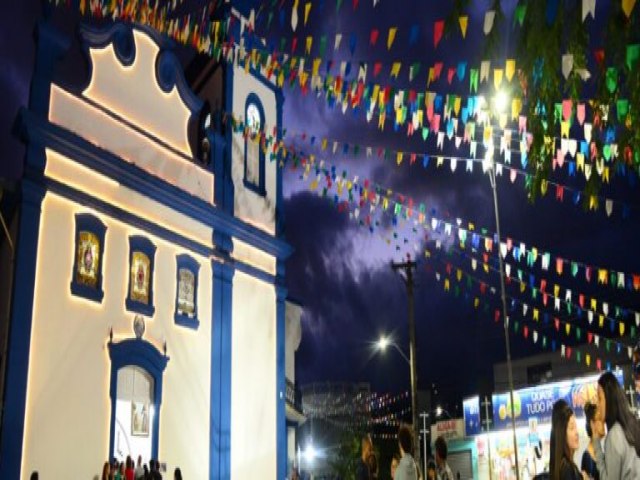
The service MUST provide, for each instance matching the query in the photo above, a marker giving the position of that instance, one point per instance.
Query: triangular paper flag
(588, 7)
(438, 29)
(391, 37)
(294, 16)
(497, 77)
(510, 69)
(307, 9)
(464, 21)
(567, 65)
(627, 7)
(488, 21)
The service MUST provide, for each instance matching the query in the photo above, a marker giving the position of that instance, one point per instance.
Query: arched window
(254, 156)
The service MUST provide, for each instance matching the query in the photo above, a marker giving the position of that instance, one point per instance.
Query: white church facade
(148, 305)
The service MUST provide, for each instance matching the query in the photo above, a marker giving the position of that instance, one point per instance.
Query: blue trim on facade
(281, 386)
(169, 72)
(280, 221)
(39, 132)
(221, 336)
(85, 222)
(189, 263)
(259, 188)
(15, 396)
(139, 353)
(143, 245)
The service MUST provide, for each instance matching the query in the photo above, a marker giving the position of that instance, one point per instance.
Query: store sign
(448, 429)
(471, 413)
(537, 402)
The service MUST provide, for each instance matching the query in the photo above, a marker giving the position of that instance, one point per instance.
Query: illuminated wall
(68, 403)
(253, 374)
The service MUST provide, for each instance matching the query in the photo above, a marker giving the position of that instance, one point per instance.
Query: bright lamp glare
(310, 453)
(383, 343)
(500, 102)
(438, 411)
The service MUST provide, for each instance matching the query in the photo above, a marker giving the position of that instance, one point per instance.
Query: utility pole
(424, 432)
(408, 269)
(494, 188)
(487, 426)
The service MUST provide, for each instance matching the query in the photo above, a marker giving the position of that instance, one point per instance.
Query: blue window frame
(141, 265)
(254, 157)
(186, 310)
(86, 279)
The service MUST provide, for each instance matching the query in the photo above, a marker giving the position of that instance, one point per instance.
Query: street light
(500, 103)
(385, 341)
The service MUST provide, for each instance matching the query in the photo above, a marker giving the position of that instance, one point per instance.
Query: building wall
(253, 375)
(68, 405)
(249, 205)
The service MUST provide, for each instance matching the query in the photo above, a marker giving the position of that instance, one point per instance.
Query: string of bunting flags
(400, 206)
(541, 295)
(533, 325)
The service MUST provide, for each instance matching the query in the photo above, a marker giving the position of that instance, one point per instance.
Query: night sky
(340, 271)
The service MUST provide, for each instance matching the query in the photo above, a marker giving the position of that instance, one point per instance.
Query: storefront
(532, 408)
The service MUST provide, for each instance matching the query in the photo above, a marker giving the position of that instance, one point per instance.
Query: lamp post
(382, 345)
(500, 103)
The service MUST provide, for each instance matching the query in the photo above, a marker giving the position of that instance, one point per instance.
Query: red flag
(373, 39)
(496, 316)
(355, 4)
(599, 364)
(377, 67)
(559, 192)
(557, 323)
(526, 331)
(590, 337)
(599, 56)
(437, 70)
(545, 299)
(543, 285)
(294, 44)
(581, 300)
(636, 282)
(450, 73)
(438, 29)
(412, 159)
(568, 352)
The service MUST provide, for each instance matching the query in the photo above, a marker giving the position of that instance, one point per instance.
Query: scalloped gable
(133, 91)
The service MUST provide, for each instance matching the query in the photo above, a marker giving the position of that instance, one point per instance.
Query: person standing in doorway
(443, 469)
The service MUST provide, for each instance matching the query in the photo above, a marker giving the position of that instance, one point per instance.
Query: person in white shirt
(139, 471)
(406, 469)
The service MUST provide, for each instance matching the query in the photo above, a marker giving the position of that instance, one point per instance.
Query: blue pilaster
(221, 330)
(13, 418)
(281, 420)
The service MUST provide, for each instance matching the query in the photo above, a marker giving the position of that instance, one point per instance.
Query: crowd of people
(128, 470)
(619, 458)
(403, 464)
(613, 452)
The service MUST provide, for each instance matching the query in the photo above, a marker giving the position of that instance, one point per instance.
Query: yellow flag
(580, 161)
(446, 284)
(381, 120)
(523, 287)
(601, 321)
(516, 108)
(314, 185)
(324, 144)
(621, 329)
(308, 46)
(627, 7)
(503, 120)
(307, 9)
(594, 304)
(564, 129)
(281, 79)
(459, 274)
(464, 21)
(486, 267)
(399, 116)
(385, 203)
(567, 328)
(432, 76)
(593, 202)
(316, 66)
(588, 360)
(399, 158)
(605, 174)
(498, 73)
(536, 314)
(476, 302)
(510, 69)
(544, 184)
(456, 105)
(556, 290)
(395, 69)
(391, 37)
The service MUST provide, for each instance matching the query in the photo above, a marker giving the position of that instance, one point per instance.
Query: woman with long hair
(621, 456)
(106, 471)
(564, 432)
(555, 414)
(593, 423)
